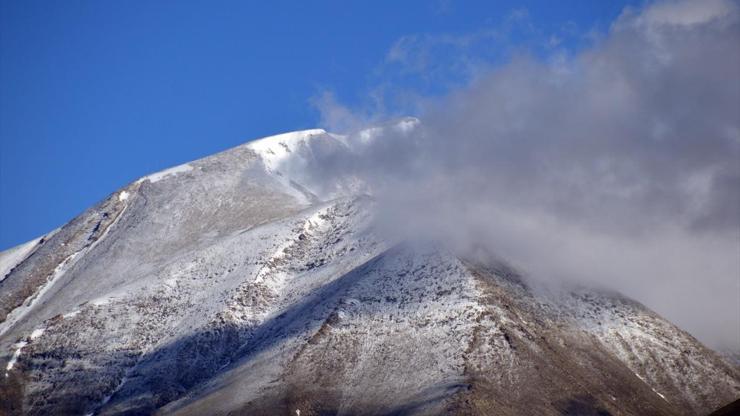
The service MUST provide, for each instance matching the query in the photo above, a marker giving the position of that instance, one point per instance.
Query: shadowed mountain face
(236, 284)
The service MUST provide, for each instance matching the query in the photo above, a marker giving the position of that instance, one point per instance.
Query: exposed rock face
(236, 285)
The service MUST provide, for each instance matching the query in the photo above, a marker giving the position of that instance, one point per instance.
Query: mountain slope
(428, 333)
(246, 282)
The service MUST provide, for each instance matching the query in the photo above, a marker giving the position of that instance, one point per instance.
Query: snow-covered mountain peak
(277, 150)
(313, 161)
(254, 282)
(296, 157)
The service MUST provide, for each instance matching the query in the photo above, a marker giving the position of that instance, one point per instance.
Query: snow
(275, 283)
(37, 333)
(123, 196)
(292, 157)
(72, 314)
(21, 311)
(101, 301)
(316, 222)
(632, 334)
(283, 157)
(14, 256)
(156, 177)
(651, 387)
(18, 348)
(276, 150)
(18, 313)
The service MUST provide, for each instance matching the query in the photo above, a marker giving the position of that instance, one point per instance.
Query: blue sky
(96, 94)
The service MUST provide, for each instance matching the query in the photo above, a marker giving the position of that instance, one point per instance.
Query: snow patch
(9, 259)
(276, 150)
(156, 177)
(101, 301)
(19, 312)
(71, 314)
(282, 157)
(37, 333)
(123, 196)
(278, 254)
(29, 303)
(651, 387)
(316, 222)
(18, 348)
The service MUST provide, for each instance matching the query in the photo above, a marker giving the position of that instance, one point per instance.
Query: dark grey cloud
(618, 165)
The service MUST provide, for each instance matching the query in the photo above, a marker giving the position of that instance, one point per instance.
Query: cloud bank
(618, 165)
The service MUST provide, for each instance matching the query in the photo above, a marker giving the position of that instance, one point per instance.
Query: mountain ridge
(239, 283)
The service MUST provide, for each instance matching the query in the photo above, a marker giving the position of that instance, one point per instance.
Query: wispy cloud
(451, 59)
(617, 165)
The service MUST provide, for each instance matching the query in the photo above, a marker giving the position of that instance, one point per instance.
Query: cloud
(439, 61)
(617, 165)
(686, 13)
(335, 114)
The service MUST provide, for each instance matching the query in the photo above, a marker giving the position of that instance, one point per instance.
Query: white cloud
(618, 165)
(686, 12)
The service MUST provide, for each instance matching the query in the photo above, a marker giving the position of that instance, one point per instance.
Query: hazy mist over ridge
(617, 165)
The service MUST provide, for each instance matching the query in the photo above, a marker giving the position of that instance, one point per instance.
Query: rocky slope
(243, 284)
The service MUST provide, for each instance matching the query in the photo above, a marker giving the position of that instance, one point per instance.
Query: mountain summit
(246, 283)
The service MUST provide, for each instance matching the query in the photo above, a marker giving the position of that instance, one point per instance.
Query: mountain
(247, 283)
